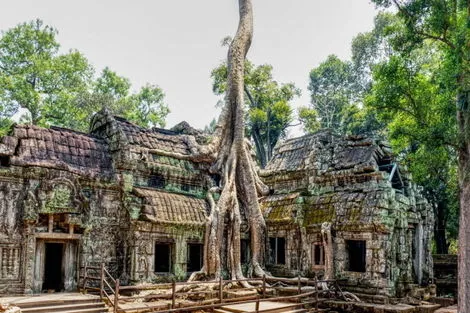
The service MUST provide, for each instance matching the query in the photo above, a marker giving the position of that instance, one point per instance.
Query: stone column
(40, 258)
(181, 251)
(70, 266)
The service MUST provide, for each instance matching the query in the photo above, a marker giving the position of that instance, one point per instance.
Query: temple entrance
(53, 276)
(55, 266)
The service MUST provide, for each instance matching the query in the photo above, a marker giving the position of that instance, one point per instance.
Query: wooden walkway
(48, 297)
(266, 306)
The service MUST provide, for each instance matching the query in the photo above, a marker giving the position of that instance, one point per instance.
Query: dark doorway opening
(244, 251)
(356, 255)
(195, 253)
(318, 254)
(163, 257)
(53, 278)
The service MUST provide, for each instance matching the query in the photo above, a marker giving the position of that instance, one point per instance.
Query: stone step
(428, 308)
(100, 307)
(41, 302)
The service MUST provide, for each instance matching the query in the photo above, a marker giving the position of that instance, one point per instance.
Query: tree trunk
(240, 184)
(463, 118)
(440, 237)
(328, 250)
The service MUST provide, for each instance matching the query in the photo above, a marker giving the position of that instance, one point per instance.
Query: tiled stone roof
(324, 151)
(172, 208)
(280, 208)
(153, 138)
(60, 148)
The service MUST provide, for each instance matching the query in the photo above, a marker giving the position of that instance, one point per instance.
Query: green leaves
(59, 89)
(336, 94)
(269, 112)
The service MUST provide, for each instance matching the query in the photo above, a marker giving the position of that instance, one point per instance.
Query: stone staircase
(79, 305)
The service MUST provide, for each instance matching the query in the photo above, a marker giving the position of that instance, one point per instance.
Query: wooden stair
(90, 305)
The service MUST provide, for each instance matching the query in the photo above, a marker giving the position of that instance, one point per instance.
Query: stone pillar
(69, 265)
(181, 251)
(40, 258)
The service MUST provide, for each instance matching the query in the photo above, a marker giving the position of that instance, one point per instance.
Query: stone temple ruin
(69, 199)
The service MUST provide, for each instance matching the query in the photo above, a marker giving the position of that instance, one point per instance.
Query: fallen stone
(7, 308)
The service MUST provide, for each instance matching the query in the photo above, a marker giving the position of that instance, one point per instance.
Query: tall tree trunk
(328, 250)
(464, 224)
(440, 237)
(240, 184)
(463, 119)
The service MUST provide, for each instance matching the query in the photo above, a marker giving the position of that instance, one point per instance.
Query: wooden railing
(110, 291)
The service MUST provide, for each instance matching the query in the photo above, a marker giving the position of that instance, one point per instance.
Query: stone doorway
(53, 277)
(55, 265)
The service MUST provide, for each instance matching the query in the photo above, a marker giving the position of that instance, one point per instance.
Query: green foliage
(336, 95)
(331, 88)
(50, 88)
(413, 93)
(34, 76)
(269, 112)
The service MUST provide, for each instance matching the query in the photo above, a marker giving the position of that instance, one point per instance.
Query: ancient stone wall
(373, 206)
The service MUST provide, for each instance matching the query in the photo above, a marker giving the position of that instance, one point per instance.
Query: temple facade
(117, 195)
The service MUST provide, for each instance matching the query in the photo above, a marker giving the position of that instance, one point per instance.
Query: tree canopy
(48, 87)
(446, 24)
(269, 112)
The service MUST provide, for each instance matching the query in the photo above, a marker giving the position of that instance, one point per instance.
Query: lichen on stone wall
(59, 200)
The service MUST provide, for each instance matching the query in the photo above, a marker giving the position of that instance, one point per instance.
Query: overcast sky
(176, 43)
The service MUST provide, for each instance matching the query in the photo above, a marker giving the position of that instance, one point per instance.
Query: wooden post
(221, 290)
(173, 294)
(316, 294)
(101, 280)
(257, 305)
(84, 278)
(299, 286)
(116, 297)
(264, 286)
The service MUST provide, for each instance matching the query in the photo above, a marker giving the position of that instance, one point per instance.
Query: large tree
(50, 88)
(145, 108)
(34, 76)
(336, 95)
(240, 185)
(269, 112)
(410, 95)
(447, 22)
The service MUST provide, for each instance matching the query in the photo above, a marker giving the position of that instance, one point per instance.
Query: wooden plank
(263, 306)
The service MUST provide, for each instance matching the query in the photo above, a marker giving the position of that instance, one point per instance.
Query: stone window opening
(195, 255)
(56, 223)
(163, 257)
(4, 161)
(356, 253)
(318, 254)
(387, 165)
(156, 181)
(277, 250)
